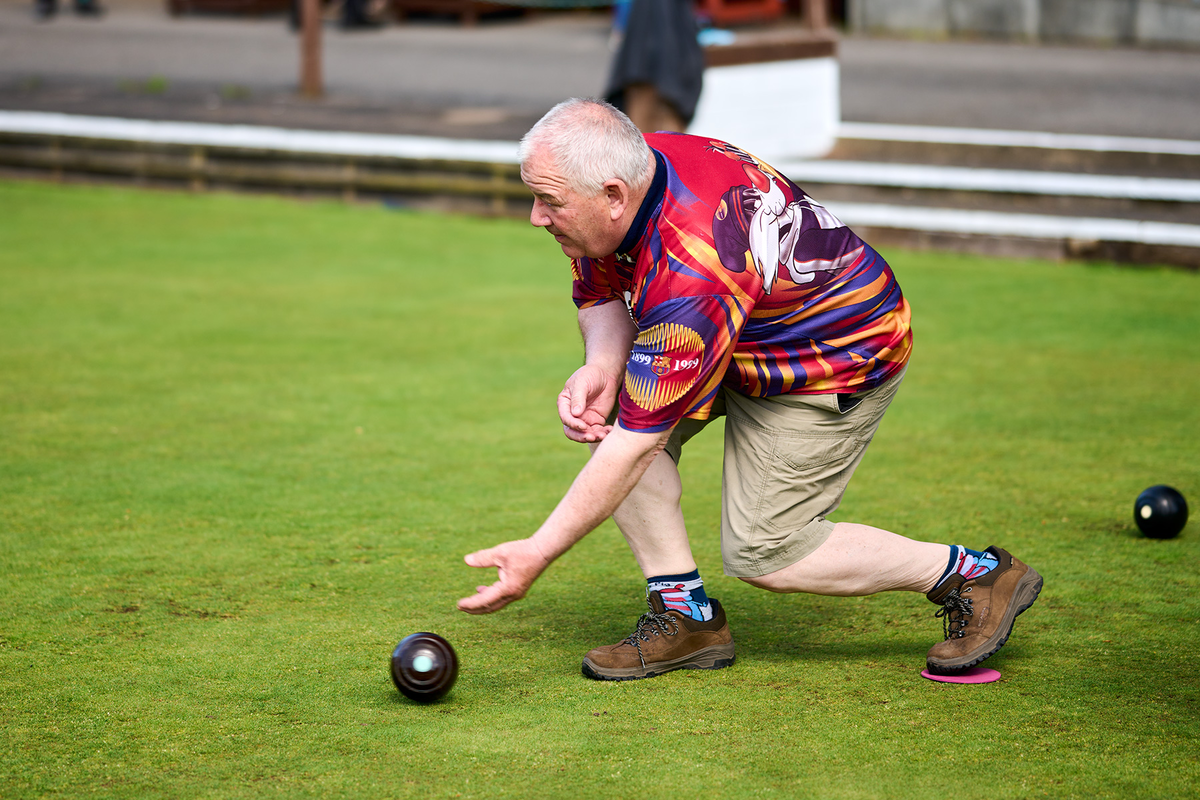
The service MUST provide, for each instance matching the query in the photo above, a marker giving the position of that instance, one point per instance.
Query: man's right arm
(591, 392)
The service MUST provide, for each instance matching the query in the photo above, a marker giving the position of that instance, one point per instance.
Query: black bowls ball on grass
(1160, 512)
(424, 667)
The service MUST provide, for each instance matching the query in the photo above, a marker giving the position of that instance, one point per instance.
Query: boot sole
(715, 657)
(1026, 594)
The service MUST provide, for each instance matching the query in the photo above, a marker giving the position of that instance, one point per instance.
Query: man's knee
(771, 582)
(666, 492)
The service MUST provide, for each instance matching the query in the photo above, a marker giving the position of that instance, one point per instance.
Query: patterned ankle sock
(683, 593)
(969, 563)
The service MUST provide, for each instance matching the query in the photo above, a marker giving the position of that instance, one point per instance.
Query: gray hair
(591, 142)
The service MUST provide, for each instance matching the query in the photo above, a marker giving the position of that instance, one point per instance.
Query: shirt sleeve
(592, 286)
(678, 361)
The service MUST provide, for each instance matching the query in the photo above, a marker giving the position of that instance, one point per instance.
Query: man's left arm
(601, 486)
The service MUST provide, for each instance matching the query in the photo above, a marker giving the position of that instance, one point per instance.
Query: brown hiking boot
(664, 640)
(978, 614)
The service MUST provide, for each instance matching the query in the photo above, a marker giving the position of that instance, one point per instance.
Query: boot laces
(651, 624)
(954, 614)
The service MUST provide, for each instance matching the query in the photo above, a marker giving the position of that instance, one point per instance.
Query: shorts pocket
(806, 479)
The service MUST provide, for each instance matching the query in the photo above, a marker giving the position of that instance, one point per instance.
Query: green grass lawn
(245, 442)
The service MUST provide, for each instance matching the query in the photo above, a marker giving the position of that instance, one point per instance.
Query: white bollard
(773, 109)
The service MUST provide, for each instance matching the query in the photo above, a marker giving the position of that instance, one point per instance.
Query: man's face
(581, 225)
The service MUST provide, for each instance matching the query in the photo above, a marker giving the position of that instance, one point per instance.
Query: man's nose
(538, 217)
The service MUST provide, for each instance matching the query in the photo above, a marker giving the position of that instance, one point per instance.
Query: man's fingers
(476, 603)
(589, 434)
(565, 413)
(584, 403)
(486, 600)
(583, 387)
(518, 564)
(593, 419)
(580, 394)
(575, 436)
(480, 558)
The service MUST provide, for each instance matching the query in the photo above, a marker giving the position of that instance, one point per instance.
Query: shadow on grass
(766, 627)
(393, 698)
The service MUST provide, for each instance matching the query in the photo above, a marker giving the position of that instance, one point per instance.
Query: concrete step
(427, 172)
(1008, 234)
(1003, 212)
(1022, 191)
(1016, 193)
(1018, 150)
(1003, 181)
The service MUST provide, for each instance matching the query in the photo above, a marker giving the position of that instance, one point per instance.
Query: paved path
(1111, 91)
(492, 81)
(436, 78)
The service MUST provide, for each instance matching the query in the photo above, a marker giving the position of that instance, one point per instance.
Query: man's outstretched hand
(519, 564)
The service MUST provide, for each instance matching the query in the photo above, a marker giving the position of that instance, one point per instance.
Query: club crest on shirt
(664, 365)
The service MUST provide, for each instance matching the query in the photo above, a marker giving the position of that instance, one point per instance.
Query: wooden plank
(757, 48)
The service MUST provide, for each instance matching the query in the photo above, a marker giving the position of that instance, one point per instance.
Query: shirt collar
(630, 245)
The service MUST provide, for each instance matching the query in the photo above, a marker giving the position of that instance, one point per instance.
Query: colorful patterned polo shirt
(735, 277)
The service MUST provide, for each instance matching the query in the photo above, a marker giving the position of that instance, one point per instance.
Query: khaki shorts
(788, 460)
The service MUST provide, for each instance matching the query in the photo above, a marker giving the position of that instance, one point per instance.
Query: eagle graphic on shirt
(756, 219)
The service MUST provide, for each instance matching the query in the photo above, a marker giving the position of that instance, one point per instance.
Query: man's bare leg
(670, 637)
(651, 521)
(859, 560)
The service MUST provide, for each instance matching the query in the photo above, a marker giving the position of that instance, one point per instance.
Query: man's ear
(617, 193)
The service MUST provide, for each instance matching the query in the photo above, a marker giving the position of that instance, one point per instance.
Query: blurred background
(887, 83)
